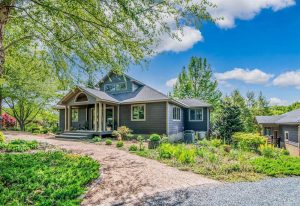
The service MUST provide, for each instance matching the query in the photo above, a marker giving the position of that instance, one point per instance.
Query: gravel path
(270, 192)
(125, 177)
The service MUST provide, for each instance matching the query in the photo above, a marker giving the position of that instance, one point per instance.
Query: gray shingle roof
(144, 93)
(292, 117)
(99, 94)
(194, 102)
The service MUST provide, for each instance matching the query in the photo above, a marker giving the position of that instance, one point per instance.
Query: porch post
(96, 116)
(118, 117)
(66, 118)
(104, 117)
(69, 118)
(100, 116)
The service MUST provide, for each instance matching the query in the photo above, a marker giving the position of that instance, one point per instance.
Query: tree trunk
(4, 12)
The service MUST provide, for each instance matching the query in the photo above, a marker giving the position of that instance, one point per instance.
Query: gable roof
(125, 75)
(99, 94)
(292, 117)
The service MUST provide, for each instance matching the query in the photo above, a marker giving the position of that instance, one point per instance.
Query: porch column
(100, 116)
(66, 118)
(69, 118)
(118, 117)
(104, 117)
(96, 117)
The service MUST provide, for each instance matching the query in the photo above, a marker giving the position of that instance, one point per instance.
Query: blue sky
(255, 47)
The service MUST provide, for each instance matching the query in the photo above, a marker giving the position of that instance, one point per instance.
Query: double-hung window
(176, 113)
(196, 114)
(138, 112)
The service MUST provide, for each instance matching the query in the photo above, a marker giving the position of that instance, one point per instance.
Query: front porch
(91, 118)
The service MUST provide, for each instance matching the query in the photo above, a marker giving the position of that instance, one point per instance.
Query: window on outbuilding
(196, 114)
(81, 98)
(176, 113)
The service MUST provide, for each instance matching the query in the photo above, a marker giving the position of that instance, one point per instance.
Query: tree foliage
(31, 85)
(197, 82)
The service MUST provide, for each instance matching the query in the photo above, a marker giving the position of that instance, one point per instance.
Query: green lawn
(45, 178)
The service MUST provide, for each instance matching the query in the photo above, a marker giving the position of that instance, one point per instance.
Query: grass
(42, 178)
(222, 162)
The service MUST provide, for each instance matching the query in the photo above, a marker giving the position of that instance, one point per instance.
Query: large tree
(197, 82)
(27, 90)
(93, 34)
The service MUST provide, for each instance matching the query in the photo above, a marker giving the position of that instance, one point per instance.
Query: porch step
(75, 135)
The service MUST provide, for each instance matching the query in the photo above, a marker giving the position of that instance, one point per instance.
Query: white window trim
(176, 120)
(286, 133)
(190, 115)
(115, 84)
(131, 114)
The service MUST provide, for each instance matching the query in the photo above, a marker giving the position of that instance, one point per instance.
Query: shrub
(2, 137)
(216, 142)
(271, 152)
(203, 142)
(108, 142)
(19, 145)
(248, 141)
(141, 140)
(187, 156)
(97, 139)
(133, 148)
(124, 131)
(17, 148)
(120, 144)
(283, 165)
(166, 151)
(154, 137)
(116, 134)
(129, 137)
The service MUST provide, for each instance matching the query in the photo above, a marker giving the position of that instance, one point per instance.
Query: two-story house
(124, 101)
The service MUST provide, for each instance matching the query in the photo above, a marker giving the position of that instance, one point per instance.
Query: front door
(109, 119)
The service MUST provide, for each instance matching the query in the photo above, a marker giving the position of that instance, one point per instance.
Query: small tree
(228, 121)
(197, 82)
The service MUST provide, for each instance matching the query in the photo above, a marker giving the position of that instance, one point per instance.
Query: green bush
(165, 140)
(154, 137)
(187, 156)
(129, 137)
(216, 142)
(248, 141)
(19, 145)
(17, 148)
(124, 131)
(283, 165)
(270, 151)
(203, 143)
(97, 139)
(108, 142)
(133, 148)
(2, 137)
(45, 178)
(120, 144)
(166, 151)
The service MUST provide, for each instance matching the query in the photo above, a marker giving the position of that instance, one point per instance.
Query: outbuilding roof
(292, 117)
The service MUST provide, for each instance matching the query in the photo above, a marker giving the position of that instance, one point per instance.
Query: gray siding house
(283, 130)
(124, 101)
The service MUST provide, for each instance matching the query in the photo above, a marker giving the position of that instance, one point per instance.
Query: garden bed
(30, 176)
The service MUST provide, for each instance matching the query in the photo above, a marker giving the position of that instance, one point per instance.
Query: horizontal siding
(155, 119)
(293, 132)
(175, 126)
(196, 125)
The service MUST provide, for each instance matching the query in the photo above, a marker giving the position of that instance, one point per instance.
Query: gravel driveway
(270, 192)
(125, 177)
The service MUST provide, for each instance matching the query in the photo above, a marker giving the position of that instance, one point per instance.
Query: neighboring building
(124, 101)
(283, 130)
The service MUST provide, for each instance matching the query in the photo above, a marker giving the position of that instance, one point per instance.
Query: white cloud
(171, 82)
(290, 78)
(230, 10)
(254, 76)
(188, 37)
(274, 101)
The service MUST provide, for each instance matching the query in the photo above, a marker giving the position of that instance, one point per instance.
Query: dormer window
(115, 87)
(81, 97)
